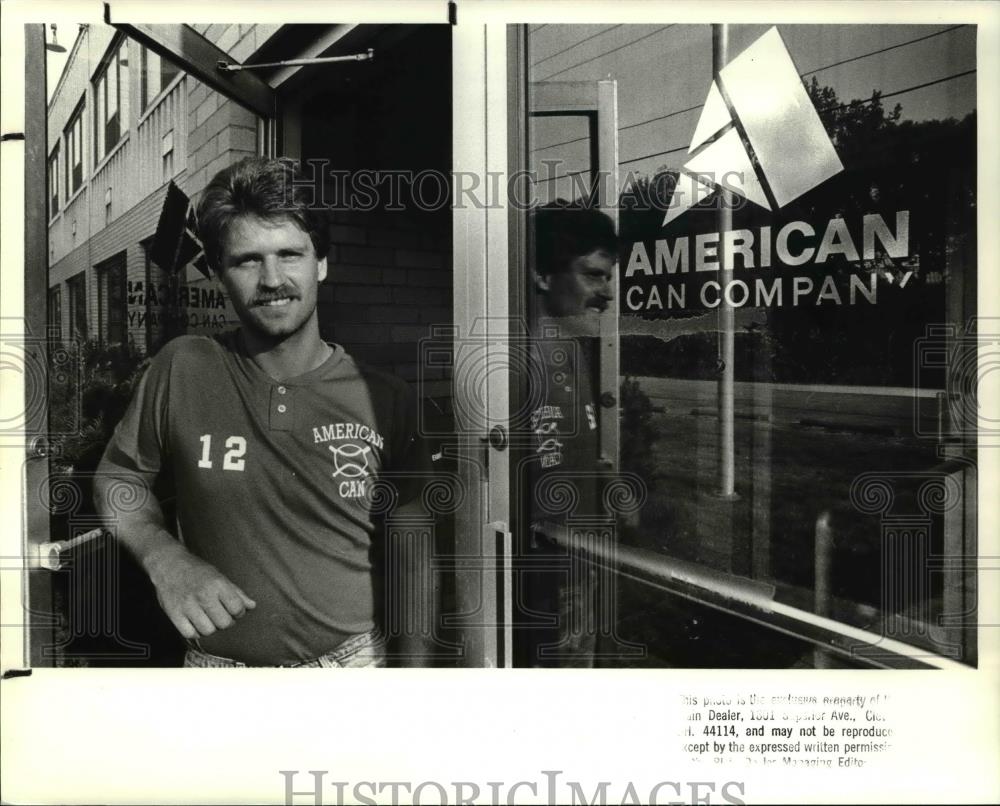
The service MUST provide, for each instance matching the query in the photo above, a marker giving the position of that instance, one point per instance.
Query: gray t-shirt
(276, 484)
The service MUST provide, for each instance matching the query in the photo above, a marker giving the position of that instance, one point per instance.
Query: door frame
(24, 296)
(482, 338)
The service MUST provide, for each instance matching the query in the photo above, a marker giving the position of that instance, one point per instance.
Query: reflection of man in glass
(575, 252)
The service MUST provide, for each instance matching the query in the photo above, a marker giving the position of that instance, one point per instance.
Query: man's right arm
(195, 595)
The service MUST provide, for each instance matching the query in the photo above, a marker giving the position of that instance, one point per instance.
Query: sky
(55, 62)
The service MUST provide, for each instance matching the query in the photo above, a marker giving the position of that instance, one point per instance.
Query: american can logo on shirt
(351, 456)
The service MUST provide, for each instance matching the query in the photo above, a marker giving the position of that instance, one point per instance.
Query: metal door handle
(498, 438)
(39, 447)
(49, 555)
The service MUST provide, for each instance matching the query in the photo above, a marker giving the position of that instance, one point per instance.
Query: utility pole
(727, 437)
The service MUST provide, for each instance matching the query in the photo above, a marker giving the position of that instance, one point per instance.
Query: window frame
(167, 152)
(54, 312)
(110, 131)
(115, 267)
(77, 292)
(148, 99)
(73, 135)
(53, 181)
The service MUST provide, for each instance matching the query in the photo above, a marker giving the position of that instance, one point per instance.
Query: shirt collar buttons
(279, 410)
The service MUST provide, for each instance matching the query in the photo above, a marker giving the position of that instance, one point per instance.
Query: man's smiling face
(583, 288)
(271, 272)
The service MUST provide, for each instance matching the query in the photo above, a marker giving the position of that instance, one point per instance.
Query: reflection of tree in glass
(925, 167)
(891, 164)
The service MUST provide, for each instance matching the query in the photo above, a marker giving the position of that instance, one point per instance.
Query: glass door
(790, 330)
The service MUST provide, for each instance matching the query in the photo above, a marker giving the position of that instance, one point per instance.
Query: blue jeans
(363, 651)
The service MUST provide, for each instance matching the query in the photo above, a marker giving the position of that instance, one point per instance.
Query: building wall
(207, 131)
(91, 43)
(390, 277)
(239, 41)
(390, 281)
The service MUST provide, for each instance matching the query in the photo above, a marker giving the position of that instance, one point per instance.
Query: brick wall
(220, 132)
(391, 276)
(389, 281)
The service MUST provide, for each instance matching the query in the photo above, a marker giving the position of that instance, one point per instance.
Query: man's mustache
(262, 299)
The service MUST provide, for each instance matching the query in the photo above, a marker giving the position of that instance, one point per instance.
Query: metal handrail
(750, 599)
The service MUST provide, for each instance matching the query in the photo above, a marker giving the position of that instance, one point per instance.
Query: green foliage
(90, 386)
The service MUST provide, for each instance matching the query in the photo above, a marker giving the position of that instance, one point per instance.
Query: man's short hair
(566, 230)
(272, 189)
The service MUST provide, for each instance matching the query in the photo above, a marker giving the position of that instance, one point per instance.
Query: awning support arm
(232, 67)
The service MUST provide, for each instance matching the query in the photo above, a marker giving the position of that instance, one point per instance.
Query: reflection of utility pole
(727, 439)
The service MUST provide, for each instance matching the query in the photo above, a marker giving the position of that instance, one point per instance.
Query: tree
(925, 167)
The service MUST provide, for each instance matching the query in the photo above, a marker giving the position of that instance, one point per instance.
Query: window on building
(111, 99)
(55, 313)
(167, 150)
(74, 151)
(111, 300)
(54, 182)
(157, 73)
(77, 287)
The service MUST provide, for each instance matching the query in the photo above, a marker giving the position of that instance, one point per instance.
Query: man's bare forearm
(196, 597)
(142, 529)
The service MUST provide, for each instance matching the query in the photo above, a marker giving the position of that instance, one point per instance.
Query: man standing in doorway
(276, 442)
(576, 248)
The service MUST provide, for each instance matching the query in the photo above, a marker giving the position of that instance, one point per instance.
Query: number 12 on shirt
(233, 459)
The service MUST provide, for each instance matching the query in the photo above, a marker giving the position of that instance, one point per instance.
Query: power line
(825, 109)
(657, 154)
(660, 117)
(807, 73)
(902, 92)
(622, 128)
(607, 52)
(575, 44)
(883, 50)
(622, 162)
(560, 176)
(829, 109)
